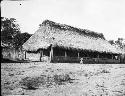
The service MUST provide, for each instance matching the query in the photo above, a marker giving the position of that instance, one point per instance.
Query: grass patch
(61, 79)
(33, 83)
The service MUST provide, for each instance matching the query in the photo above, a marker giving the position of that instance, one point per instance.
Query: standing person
(81, 61)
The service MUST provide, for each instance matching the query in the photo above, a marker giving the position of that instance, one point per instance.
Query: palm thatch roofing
(68, 37)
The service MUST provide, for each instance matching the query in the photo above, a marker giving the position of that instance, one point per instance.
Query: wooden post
(97, 60)
(98, 56)
(78, 54)
(51, 53)
(25, 54)
(112, 56)
(65, 54)
(41, 54)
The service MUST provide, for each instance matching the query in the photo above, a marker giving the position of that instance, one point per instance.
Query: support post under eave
(65, 54)
(25, 55)
(98, 56)
(112, 56)
(78, 54)
(51, 54)
(41, 54)
(97, 60)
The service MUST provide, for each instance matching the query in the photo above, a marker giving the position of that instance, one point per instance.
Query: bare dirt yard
(62, 79)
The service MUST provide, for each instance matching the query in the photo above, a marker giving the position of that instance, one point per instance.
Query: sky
(102, 16)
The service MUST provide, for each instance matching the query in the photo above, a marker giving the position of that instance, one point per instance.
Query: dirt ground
(62, 79)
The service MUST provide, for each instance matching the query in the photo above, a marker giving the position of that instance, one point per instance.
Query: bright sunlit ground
(49, 79)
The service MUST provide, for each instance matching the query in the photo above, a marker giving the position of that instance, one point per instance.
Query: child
(81, 61)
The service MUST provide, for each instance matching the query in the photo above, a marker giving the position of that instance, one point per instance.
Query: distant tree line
(120, 42)
(11, 34)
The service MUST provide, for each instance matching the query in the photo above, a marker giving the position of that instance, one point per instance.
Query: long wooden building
(56, 42)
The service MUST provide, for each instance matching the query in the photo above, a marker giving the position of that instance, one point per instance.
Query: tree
(9, 29)
(20, 39)
(119, 42)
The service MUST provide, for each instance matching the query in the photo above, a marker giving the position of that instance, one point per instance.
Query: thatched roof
(65, 27)
(68, 37)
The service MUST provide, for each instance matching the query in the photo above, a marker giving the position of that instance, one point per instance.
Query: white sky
(102, 16)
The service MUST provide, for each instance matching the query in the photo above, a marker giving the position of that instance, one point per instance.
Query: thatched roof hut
(61, 35)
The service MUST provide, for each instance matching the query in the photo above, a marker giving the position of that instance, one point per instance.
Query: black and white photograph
(63, 48)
